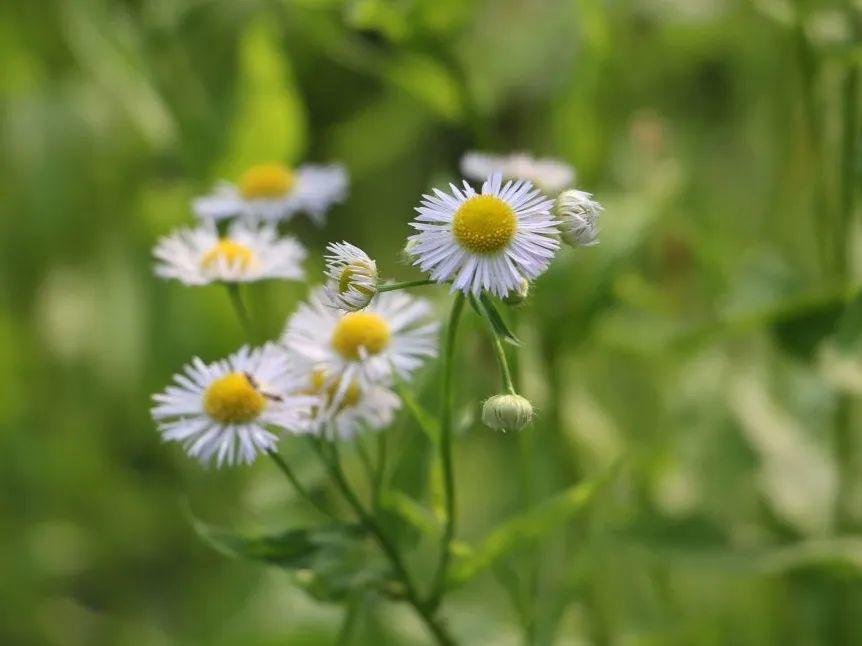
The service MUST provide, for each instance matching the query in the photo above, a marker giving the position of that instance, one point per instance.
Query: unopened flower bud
(578, 215)
(352, 277)
(518, 296)
(407, 253)
(507, 412)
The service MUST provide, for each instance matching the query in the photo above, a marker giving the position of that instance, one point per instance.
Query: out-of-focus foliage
(706, 341)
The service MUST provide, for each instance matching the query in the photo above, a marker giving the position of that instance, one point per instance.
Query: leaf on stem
(848, 335)
(410, 511)
(490, 312)
(428, 424)
(528, 527)
(327, 562)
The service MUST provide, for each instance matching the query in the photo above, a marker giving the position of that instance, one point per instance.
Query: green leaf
(801, 333)
(329, 563)
(429, 81)
(270, 121)
(848, 336)
(410, 511)
(490, 312)
(528, 528)
(426, 421)
(290, 549)
(799, 322)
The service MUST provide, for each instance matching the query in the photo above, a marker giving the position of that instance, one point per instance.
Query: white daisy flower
(220, 411)
(578, 216)
(348, 409)
(550, 175)
(490, 241)
(275, 192)
(247, 253)
(352, 277)
(391, 335)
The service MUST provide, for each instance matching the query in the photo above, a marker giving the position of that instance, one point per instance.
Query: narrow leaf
(410, 511)
(528, 527)
(427, 422)
(848, 336)
(490, 312)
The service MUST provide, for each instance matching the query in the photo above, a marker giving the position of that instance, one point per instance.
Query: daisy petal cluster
(222, 412)
(275, 192)
(551, 175)
(347, 407)
(489, 241)
(352, 276)
(246, 253)
(391, 337)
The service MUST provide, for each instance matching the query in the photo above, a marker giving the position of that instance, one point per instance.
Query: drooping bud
(519, 295)
(352, 277)
(507, 412)
(578, 215)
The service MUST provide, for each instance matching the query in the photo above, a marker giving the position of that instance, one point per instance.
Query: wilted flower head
(550, 175)
(507, 412)
(276, 192)
(578, 215)
(352, 276)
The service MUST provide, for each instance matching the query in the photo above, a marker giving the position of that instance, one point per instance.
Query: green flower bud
(507, 412)
(407, 252)
(519, 295)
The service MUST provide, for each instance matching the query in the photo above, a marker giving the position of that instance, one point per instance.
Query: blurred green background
(707, 339)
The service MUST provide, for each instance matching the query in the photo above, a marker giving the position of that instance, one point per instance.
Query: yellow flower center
(233, 252)
(266, 181)
(233, 399)
(347, 275)
(360, 330)
(350, 397)
(484, 224)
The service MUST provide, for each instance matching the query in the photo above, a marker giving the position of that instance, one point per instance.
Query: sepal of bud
(518, 296)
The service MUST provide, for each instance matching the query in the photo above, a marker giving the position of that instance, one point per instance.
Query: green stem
(446, 450)
(845, 440)
(849, 157)
(351, 614)
(240, 309)
(370, 471)
(500, 353)
(425, 611)
(302, 491)
(531, 580)
(381, 463)
(808, 68)
(391, 287)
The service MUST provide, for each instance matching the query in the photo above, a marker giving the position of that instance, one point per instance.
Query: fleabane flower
(348, 407)
(490, 241)
(550, 175)
(275, 192)
(352, 276)
(246, 253)
(391, 336)
(578, 216)
(220, 411)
